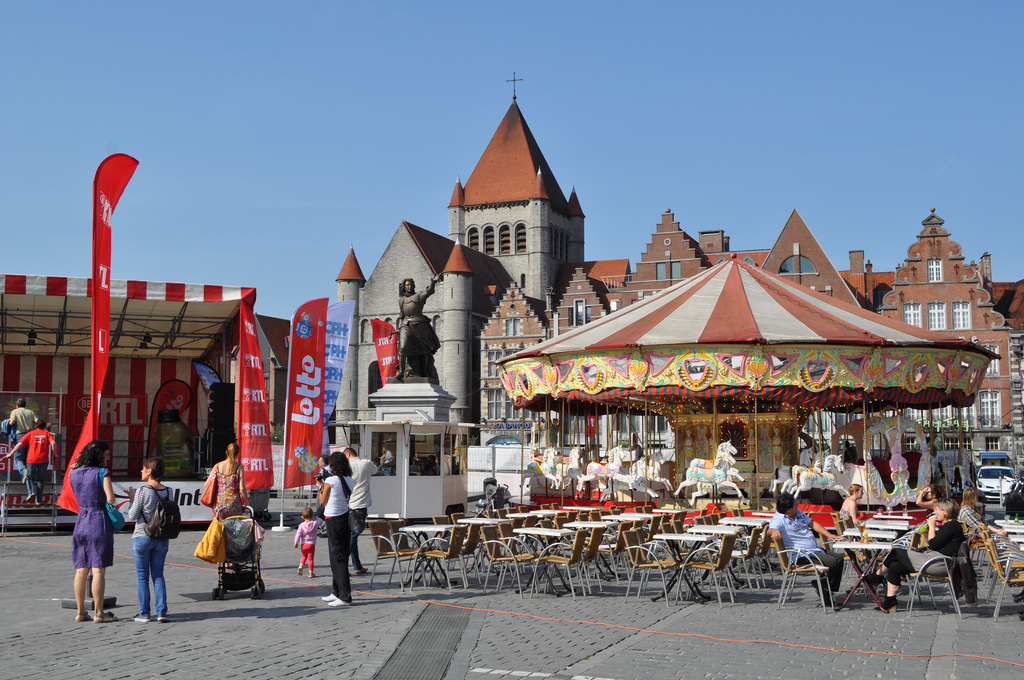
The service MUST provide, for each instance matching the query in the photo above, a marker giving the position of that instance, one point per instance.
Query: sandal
(105, 617)
(82, 618)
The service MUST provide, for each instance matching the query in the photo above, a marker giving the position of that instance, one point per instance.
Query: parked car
(994, 482)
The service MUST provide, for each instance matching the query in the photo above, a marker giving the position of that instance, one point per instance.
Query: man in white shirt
(796, 530)
(360, 500)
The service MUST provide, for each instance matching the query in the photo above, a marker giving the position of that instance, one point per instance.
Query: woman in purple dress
(92, 542)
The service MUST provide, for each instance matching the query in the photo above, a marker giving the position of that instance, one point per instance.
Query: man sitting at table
(796, 530)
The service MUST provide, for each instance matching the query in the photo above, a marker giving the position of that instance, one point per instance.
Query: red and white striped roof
(734, 302)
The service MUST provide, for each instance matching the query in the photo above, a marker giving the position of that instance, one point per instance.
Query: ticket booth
(421, 467)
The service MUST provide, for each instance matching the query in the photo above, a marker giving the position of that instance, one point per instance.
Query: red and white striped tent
(157, 330)
(737, 331)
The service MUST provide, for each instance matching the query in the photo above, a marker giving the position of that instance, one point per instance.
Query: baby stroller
(241, 567)
(495, 497)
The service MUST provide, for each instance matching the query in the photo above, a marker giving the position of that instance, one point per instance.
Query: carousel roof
(737, 330)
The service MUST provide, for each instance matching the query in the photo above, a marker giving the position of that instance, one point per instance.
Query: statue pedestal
(414, 401)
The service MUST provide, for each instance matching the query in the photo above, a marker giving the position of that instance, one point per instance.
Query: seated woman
(944, 538)
(849, 508)
(969, 514)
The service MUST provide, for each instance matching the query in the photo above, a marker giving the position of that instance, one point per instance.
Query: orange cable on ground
(606, 625)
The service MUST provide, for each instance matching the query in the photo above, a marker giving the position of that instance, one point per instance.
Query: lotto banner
(339, 329)
(253, 417)
(304, 411)
(112, 176)
(385, 339)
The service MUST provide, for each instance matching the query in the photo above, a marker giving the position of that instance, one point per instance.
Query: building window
(513, 326)
(660, 271)
(473, 238)
(505, 239)
(991, 413)
(912, 313)
(937, 316)
(961, 315)
(520, 238)
(806, 266)
(934, 270)
(489, 240)
(993, 366)
(677, 270)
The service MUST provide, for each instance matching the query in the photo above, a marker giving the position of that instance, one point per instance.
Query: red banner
(111, 179)
(385, 339)
(253, 416)
(304, 419)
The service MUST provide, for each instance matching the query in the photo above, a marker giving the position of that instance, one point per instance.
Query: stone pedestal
(414, 401)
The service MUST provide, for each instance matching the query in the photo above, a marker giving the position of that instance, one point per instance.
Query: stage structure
(741, 355)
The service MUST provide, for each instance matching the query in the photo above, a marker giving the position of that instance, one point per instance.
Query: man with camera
(359, 501)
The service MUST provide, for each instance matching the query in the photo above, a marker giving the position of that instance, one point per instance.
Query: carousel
(746, 369)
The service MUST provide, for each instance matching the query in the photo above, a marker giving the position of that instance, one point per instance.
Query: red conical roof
(350, 271)
(457, 263)
(508, 169)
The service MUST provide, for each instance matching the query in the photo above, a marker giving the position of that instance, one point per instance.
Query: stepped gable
(351, 271)
(513, 169)
(487, 271)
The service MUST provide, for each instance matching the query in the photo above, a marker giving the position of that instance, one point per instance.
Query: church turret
(350, 282)
(456, 348)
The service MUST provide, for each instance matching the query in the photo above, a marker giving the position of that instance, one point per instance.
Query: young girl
(305, 537)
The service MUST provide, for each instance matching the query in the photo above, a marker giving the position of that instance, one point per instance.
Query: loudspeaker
(222, 406)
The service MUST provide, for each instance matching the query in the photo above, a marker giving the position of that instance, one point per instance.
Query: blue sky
(273, 135)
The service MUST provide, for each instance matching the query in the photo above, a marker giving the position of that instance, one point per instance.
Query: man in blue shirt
(796, 530)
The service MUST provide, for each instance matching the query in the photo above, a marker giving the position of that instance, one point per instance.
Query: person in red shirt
(39, 443)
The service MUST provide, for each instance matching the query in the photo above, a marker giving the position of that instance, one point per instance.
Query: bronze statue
(417, 341)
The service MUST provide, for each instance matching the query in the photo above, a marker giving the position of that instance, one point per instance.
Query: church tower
(513, 209)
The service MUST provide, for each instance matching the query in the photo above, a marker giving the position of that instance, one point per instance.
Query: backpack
(166, 520)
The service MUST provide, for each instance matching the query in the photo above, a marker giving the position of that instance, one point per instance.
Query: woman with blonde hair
(231, 493)
(849, 508)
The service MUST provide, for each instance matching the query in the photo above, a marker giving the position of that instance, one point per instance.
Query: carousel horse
(602, 472)
(642, 478)
(705, 474)
(805, 479)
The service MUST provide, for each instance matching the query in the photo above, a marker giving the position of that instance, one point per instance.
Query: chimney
(856, 261)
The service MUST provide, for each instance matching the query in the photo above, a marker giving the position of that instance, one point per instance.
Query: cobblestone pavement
(292, 634)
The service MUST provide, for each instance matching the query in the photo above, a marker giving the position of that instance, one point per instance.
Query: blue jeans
(149, 556)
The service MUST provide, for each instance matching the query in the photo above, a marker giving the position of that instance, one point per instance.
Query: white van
(994, 482)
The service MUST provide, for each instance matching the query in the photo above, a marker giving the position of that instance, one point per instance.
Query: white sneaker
(339, 603)
(331, 598)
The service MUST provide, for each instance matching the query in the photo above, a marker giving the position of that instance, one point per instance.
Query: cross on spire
(514, 80)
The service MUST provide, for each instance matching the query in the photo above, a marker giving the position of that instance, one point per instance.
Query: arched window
(806, 266)
(520, 238)
(473, 238)
(504, 239)
(489, 240)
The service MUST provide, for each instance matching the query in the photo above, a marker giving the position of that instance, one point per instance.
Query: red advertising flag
(112, 176)
(304, 412)
(253, 416)
(385, 339)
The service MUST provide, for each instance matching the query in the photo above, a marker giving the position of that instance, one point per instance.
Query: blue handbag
(116, 518)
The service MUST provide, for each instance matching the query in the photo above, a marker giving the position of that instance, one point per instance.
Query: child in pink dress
(305, 539)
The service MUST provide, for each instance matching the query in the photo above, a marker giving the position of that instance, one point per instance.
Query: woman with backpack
(149, 553)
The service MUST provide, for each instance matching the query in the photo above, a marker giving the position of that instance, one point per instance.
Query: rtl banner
(339, 330)
(304, 410)
(112, 176)
(385, 339)
(253, 416)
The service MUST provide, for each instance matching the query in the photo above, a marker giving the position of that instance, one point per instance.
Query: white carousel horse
(602, 472)
(642, 478)
(805, 479)
(706, 474)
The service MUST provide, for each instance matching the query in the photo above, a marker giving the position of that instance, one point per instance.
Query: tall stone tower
(512, 208)
(350, 283)
(456, 341)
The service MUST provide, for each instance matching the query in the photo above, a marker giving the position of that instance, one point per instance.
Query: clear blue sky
(273, 135)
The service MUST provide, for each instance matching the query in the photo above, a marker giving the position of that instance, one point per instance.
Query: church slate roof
(508, 169)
